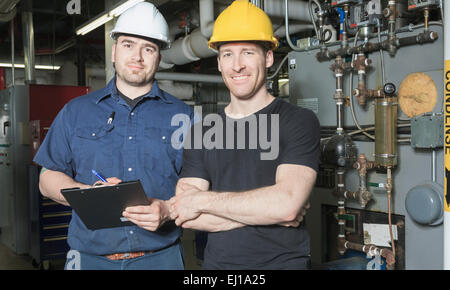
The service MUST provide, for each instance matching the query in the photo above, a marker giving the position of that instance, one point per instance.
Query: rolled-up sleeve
(55, 152)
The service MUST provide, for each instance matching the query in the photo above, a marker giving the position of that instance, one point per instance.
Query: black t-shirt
(131, 102)
(233, 169)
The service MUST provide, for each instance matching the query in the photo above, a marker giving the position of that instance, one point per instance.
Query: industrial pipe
(194, 46)
(372, 249)
(2, 79)
(12, 54)
(206, 8)
(188, 77)
(341, 226)
(28, 42)
(8, 10)
(298, 10)
(8, 16)
(293, 28)
(338, 68)
(390, 13)
(362, 165)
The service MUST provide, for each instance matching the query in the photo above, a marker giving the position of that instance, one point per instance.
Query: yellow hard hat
(242, 21)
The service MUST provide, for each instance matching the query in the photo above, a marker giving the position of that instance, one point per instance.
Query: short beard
(133, 83)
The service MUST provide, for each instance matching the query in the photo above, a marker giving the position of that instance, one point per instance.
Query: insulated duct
(194, 46)
(298, 10)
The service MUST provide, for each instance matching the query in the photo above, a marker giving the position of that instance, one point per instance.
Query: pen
(98, 175)
(111, 118)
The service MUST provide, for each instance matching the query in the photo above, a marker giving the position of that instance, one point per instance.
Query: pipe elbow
(206, 8)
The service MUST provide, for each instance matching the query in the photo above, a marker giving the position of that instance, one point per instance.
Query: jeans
(166, 259)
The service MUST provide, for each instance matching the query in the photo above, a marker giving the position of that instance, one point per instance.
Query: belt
(126, 256)
(133, 255)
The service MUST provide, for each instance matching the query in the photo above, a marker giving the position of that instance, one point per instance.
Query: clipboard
(102, 207)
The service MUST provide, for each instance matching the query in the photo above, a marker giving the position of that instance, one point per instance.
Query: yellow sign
(447, 135)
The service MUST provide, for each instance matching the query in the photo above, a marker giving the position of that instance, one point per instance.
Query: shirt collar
(111, 91)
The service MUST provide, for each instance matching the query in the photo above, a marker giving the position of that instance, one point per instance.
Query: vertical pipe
(258, 3)
(339, 113)
(81, 64)
(2, 79)
(447, 155)
(28, 42)
(391, 27)
(389, 197)
(433, 165)
(344, 31)
(12, 53)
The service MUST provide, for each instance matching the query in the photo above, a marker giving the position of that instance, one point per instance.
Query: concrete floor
(11, 261)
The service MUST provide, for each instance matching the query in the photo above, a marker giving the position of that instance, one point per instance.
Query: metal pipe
(433, 165)
(390, 12)
(298, 9)
(286, 24)
(188, 77)
(372, 249)
(339, 116)
(362, 165)
(388, 44)
(206, 8)
(341, 225)
(12, 54)
(258, 3)
(28, 46)
(389, 197)
(426, 14)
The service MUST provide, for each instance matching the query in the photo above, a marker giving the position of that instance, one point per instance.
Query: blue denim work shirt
(136, 145)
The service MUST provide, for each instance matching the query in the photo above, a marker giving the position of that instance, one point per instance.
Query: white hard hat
(143, 19)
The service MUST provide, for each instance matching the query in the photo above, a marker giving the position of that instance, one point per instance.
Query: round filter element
(417, 94)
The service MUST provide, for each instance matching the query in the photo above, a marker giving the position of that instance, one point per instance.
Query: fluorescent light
(106, 16)
(121, 7)
(94, 24)
(37, 66)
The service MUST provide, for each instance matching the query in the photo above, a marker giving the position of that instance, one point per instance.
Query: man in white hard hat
(123, 131)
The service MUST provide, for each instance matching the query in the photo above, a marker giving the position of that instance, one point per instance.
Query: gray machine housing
(312, 84)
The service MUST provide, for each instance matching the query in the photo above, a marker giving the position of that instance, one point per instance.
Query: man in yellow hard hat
(251, 201)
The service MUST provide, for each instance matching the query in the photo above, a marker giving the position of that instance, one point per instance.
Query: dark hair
(159, 43)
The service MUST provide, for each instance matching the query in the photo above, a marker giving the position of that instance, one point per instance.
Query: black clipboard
(101, 207)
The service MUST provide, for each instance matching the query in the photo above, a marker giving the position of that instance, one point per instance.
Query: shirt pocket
(92, 147)
(161, 152)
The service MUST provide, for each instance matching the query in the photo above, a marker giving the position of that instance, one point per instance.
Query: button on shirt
(137, 144)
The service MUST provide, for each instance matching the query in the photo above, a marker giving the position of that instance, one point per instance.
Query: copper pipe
(389, 191)
(372, 249)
